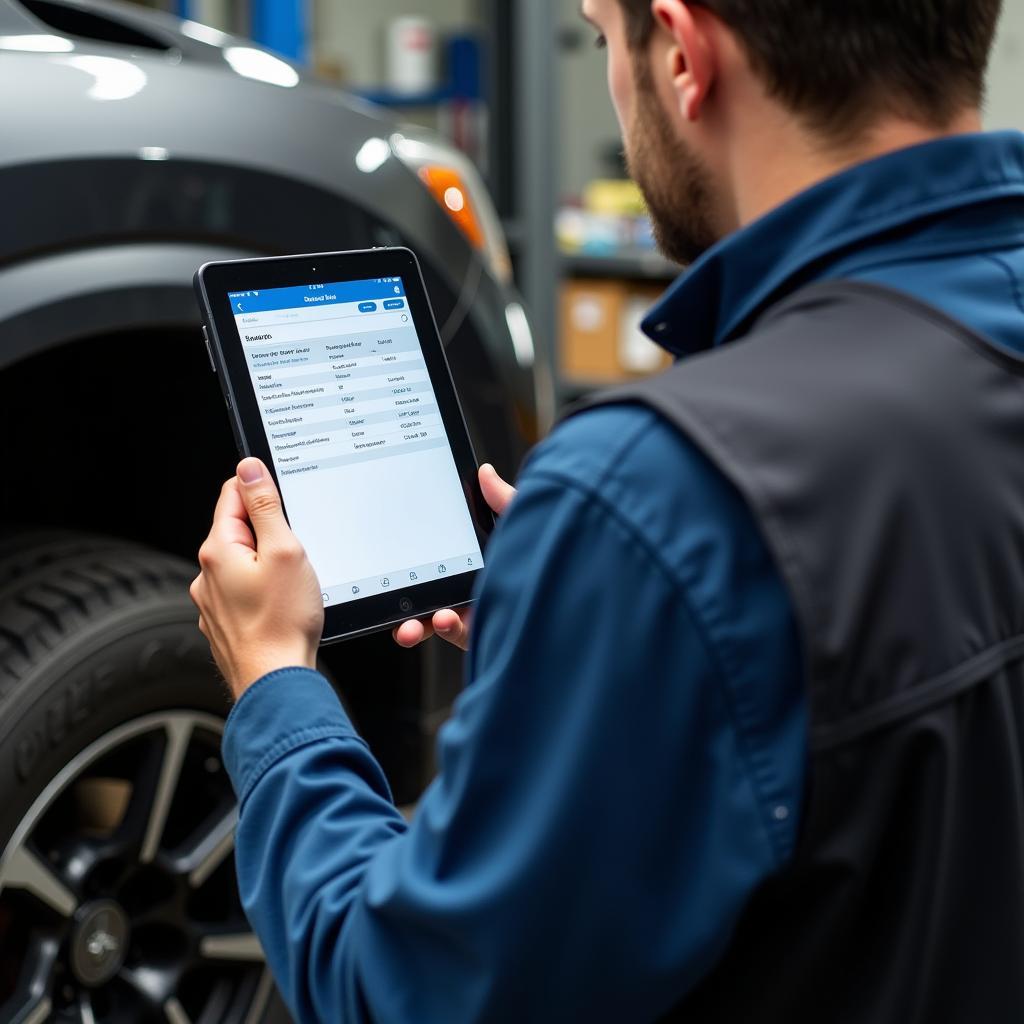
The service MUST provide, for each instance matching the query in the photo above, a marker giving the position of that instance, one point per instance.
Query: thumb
(262, 502)
(497, 493)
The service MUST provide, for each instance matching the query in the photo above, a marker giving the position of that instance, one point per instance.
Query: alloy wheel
(118, 897)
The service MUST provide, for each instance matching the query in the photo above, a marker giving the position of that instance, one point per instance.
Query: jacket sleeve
(591, 838)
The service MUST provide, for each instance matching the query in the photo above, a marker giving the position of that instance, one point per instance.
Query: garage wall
(588, 119)
(1006, 81)
(350, 33)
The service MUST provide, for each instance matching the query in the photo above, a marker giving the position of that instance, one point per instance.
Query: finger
(413, 633)
(230, 519)
(453, 627)
(497, 493)
(262, 504)
(229, 502)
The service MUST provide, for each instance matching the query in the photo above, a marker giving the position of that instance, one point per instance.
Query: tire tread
(54, 582)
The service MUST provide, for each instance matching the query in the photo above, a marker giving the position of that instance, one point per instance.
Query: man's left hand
(259, 601)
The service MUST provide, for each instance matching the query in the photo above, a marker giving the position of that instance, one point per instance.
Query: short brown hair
(838, 63)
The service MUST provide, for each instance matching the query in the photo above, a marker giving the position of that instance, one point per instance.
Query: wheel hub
(99, 942)
(130, 914)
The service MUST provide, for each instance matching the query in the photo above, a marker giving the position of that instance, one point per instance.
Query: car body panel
(108, 147)
(126, 165)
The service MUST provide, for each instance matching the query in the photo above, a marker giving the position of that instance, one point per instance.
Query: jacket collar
(863, 207)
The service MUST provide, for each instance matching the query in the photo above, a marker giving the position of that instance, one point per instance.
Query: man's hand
(259, 600)
(449, 625)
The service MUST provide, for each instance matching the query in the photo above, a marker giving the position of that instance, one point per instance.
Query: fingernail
(250, 471)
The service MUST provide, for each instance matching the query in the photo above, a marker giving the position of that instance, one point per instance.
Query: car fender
(67, 296)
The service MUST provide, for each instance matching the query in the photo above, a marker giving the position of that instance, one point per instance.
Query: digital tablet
(334, 375)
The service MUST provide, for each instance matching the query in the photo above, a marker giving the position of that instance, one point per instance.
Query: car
(136, 147)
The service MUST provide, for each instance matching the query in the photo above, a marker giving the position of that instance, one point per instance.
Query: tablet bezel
(215, 281)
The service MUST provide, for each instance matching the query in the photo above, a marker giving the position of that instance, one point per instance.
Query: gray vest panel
(880, 445)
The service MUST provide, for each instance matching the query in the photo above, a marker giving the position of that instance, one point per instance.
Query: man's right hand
(449, 625)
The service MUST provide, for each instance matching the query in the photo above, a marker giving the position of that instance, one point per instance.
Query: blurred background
(521, 88)
(139, 141)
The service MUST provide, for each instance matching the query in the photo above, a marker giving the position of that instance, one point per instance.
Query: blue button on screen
(394, 304)
(367, 307)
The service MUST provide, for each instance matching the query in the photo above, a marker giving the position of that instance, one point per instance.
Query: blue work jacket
(627, 762)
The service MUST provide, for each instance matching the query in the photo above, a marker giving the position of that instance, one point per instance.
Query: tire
(118, 899)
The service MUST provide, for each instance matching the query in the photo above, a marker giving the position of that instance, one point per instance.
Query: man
(742, 731)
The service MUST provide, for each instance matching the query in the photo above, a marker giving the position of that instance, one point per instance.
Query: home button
(406, 605)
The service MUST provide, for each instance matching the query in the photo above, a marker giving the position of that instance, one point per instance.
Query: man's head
(712, 93)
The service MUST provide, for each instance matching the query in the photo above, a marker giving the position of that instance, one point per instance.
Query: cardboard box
(601, 340)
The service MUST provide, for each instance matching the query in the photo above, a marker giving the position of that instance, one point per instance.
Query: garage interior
(541, 263)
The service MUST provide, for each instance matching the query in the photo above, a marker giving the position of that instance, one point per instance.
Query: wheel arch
(104, 442)
(72, 326)
(63, 297)
(80, 316)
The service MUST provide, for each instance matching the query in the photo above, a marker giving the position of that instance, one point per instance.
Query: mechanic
(741, 738)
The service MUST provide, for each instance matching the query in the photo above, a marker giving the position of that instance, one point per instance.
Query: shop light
(372, 155)
(522, 335)
(205, 34)
(113, 78)
(455, 199)
(37, 42)
(262, 66)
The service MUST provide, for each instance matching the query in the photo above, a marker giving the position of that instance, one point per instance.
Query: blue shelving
(386, 98)
(281, 26)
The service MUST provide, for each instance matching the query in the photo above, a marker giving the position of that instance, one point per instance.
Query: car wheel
(118, 900)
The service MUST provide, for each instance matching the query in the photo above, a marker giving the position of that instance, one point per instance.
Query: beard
(675, 182)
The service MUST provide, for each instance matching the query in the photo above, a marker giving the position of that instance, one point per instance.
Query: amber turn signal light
(448, 188)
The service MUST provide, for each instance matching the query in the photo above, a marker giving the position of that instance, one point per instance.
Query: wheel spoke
(153, 985)
(178, 734)
(35, 1014)
(24, 870)
(85, 1014)
(243, 946)
(30, 1001)
(175, 1012)
(209, 850)
(260, 999)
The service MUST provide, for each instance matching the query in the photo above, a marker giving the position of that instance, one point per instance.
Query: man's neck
(783, 161)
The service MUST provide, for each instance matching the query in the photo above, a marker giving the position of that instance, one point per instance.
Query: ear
(691, 57)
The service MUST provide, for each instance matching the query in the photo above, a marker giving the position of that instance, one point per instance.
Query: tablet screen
(361, 453)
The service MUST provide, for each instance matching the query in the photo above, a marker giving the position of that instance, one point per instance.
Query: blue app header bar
(313, 296)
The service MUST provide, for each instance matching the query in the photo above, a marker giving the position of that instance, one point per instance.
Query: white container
(412, 56)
